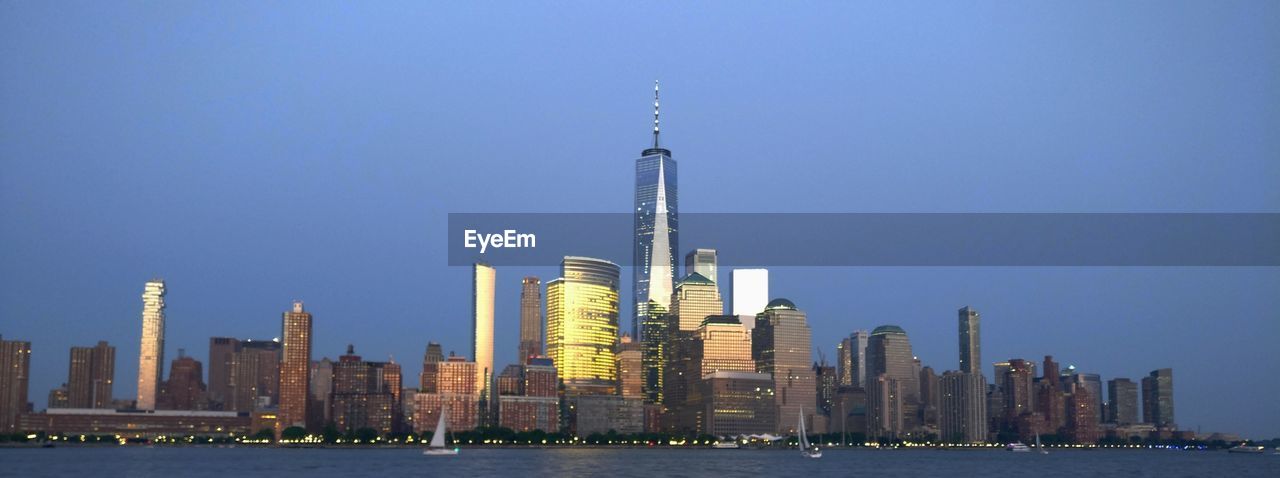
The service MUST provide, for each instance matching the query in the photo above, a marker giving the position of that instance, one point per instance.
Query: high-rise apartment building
(886, 410)
(454, 389)
(970, 341)
(701, 261)
(365, 394)
(781, 346)
(582, 325)
(295, 369)
(1157, 398)
(151, 354)
(15, 377)
(1123, 407)
(483, 279)
(963, 409)
(749, 291)
(243, 374)
(657, 225)
(530, 319)
(91, 376)
(1017, 387)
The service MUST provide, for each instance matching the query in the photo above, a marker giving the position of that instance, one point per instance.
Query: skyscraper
(695, 298)
(1017, 387)
(1157, 398)
(657, 220)
(530, 319)
(654, 350)
(963, 414)
(749, 291)
(295, 368)
(970, 341)
(151, 356)
(454, 387)
(91, 376)
(885, 407)
(720, 343)
(221, 362)
(430, 365)
(15, 376)
(1123, 407)
(582, 324)
(780, 344)
(243, 373)
(630, 368)
(482, 288)
(889, 353)
(702, 261)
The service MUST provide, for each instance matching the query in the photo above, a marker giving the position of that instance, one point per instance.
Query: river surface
(137, 461)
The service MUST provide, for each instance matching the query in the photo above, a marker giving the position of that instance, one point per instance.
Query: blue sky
(255, 154)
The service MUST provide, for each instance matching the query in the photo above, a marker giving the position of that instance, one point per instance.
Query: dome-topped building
(780, 303)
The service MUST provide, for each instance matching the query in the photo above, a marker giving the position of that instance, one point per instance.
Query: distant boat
(436, 447)
(809, 451)
(1039, 446)
(1247, 449)
(1017, 446)
(726, 445)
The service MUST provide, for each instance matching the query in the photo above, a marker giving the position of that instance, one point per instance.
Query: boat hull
(440, 451)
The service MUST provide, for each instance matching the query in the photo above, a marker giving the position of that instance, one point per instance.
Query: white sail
(804, 440)
(437, 440)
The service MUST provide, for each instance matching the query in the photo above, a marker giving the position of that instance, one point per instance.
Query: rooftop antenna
(655, 114)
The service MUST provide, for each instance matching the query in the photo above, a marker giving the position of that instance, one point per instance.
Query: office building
(886, 413)
(734, 403)
(781, 345)
(530, 319)
(582, 325)
(1123, 407)
(1157, 398)
(630, 367)
(430, 365)
(696, 298)
(701, 261)
(91, 376)
(749, 291)
(185, 389)
(653, 345)
(1082, 423)
(151, 354)
(320, 405)
(657, 221)
(889, 353)
(593, 414)
(138, 424)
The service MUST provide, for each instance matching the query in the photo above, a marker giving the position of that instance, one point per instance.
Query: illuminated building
(295, 369)
(720, 343)
(582, 325)
(781, 346)
(749, 291)
(454, 387)
(732, 403)
(657, 237)
(1157, 398)
(889, 353)
(137, 423)
(430, 365)
(534, 403)
(530, 319)
(91, 376)
(653, 351)
(365, 394)
(630, 368)
(702, 262)
(1049, 398)
(15, 376)
(483, 277)
(1082, 422)
(963, 413)
(695, 298)
(540, 379)
(1017, 388)
(151, 355)
(511, 380)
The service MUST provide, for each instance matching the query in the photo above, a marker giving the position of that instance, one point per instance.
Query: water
(621, 463)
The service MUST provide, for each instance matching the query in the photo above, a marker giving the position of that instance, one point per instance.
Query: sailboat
(437, 439)
(809, 451)
(1039, 446)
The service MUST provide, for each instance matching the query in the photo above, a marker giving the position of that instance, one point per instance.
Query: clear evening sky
(255, 154)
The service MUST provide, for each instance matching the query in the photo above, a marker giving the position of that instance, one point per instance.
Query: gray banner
(860, 239)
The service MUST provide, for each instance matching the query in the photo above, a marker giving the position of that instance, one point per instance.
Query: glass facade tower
(151, 355)
(656, 223)
(582, 325)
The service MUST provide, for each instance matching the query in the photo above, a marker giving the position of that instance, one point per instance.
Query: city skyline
(719, 130)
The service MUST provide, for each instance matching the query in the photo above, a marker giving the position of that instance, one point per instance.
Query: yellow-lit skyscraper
(295, 368)
(482, 284)
(582, 325)
(151, 355)
(696, 297)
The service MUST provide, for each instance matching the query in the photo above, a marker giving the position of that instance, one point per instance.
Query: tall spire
(655, 114)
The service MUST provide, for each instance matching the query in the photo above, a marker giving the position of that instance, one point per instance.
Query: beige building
(781, 346)
(295, 369)
(483, 282)
(151, 354)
